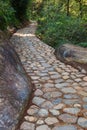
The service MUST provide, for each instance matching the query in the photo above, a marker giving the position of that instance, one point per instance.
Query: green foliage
(20, 7)
(13, 12)
(56, 28)
(34, 9)
(7, 15)
(83, 44)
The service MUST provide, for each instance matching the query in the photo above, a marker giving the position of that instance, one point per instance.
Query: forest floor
(60, 97)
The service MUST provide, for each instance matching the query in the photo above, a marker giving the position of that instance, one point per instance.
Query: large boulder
(15, 88)
(73, 55)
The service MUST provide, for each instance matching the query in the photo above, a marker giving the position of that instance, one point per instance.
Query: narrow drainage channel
(26, 108)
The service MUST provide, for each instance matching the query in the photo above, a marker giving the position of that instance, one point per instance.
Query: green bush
(56, 28)
(13, 12)
(20, 7)
(7, 15)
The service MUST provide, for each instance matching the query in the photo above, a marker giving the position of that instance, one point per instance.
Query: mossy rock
(15, 88)
(73, 55)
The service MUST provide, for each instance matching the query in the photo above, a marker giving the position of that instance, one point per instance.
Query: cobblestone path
(60, 97)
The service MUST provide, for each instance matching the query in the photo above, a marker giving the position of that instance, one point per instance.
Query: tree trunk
(80, 8)
(68, 7)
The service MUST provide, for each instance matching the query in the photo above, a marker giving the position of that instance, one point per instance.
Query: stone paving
(60, 96)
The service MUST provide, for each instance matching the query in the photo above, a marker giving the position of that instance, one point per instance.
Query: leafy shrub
(20, 7)
(56, 28)
(83, 44)
(7, 14)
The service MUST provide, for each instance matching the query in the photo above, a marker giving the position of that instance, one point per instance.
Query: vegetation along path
(60, 97)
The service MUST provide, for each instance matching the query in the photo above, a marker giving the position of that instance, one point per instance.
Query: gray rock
(68, 90)
(51, 120)
(38, 101)
(71, 101)
(70, 96)
(43, 127)
(73, 55)
(48, 85)
(59, 106)
(55, 76)
(65, 127)
(58, 81)
(77, 105)
(33, 111)
(15, 87)
(27, 126)
(49, 95)
(38, 92)
(85, 106)
(85, 99)
(47, 105)
(30, 118)
(54, 112)
(72, 110)
(40, 122)
(82, 122)
(61, 85)
(57, 101)
(68, 118)
(43, 113)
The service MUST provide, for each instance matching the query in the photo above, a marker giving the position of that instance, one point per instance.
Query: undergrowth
(56, 29)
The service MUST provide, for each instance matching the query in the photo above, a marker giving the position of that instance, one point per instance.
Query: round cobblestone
(72, 110)
(51, 120)
(38, 101)
(54, 112)
(65, 127)
(68, 118)
(68, 90)
(38, 92)
(43, 127)
(43, 113)
(40, 122)
(82, 122)
(27, 126)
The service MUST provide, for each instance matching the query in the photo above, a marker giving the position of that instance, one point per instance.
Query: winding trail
(60, 97)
